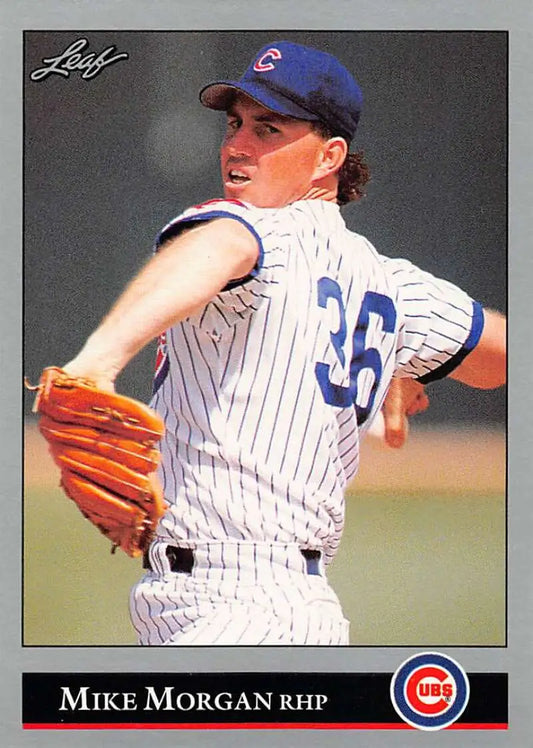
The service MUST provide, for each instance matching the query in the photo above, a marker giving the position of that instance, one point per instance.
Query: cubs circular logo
(430, 691)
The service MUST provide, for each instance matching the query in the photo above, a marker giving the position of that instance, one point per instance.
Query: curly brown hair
(354, 174)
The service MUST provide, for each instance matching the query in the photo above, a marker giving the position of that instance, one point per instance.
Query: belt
(182, 559)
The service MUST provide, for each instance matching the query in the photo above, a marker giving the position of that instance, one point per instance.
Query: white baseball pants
(237, 593)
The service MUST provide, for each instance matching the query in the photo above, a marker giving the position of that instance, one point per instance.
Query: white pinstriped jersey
(265, 393)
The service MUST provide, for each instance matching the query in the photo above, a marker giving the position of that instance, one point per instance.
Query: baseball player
(280, 332)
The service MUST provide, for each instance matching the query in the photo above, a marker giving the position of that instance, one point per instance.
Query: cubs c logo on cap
(262, 66)
(430, 691)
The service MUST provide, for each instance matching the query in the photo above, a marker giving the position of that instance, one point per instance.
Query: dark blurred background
(111, 159)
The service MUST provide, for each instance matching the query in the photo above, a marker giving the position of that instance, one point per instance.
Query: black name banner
(237, 700)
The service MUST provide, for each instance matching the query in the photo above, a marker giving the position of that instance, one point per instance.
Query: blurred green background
(414, 568)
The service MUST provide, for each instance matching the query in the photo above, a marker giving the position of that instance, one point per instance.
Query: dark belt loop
(180, 559)
(312, 560)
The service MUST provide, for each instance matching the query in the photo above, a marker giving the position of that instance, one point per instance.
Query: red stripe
(254, 726)
(480, 726)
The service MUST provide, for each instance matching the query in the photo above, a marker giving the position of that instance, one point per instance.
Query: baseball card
(258, 306)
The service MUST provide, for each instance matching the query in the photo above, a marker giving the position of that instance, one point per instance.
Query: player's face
(266, 159)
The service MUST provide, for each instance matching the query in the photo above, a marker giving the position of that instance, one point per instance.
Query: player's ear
(331, 157)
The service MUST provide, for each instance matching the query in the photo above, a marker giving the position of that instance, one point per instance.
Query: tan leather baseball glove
(105, 446)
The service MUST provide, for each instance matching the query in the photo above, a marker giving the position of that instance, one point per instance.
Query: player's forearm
(486, 366)
(182, 278)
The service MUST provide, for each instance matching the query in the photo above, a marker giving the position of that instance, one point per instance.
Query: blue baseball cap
(296, 81)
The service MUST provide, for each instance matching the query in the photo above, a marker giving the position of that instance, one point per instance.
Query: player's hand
(405, 398)
(102, 379)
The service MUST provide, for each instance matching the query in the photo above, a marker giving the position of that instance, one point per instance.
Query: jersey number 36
(362, 357)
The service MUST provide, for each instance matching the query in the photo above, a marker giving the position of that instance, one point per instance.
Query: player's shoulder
(305, 218)
(397, 265)
(208, 210)
(211, 209)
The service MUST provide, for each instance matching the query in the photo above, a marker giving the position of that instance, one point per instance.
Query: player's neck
(321, 193)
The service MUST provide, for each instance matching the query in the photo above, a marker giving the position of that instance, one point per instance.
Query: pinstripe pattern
(253, 453)
(238, 593)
